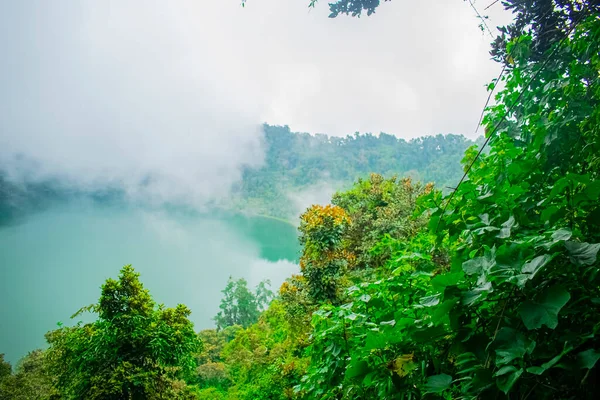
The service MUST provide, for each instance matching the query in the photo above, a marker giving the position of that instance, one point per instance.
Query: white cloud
(101, 92)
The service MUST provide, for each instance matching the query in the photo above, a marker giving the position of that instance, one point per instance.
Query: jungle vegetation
(406, 291)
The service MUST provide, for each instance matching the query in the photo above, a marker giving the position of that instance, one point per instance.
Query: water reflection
(54, 262)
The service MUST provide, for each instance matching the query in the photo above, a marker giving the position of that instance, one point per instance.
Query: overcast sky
(106, 91)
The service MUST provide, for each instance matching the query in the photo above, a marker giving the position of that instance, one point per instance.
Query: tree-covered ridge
(296, 161)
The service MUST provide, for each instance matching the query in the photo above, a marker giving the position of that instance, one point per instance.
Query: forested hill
(302, 164)
(299, 169)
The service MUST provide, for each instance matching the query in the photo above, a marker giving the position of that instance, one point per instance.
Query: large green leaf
(582, 253)
(442, 311)
(545, 310)
(479, 265)
(506, 228)
(507, 369)
(562, 234)
(506, 381)
(530, 269)
(357, 369)
(588, 358)
(441, 281)
(511, 345)
(549, 364)
(471, 296)
(438, 383)
(476, 265)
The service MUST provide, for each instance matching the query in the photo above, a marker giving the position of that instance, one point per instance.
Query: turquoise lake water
(53, 262)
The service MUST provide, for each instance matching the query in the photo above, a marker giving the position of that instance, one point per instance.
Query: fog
(118, 94)
(319, 193)
(166, 99)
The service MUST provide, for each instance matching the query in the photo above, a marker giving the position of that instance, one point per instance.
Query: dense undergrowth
(497, 297)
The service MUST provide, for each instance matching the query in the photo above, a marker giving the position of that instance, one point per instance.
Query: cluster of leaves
(213, 377)
(545, 21)
(374, 345)
(134, 349)
(295, 297)
(354, 8)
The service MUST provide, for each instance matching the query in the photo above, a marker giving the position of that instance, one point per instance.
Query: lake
(53, 262)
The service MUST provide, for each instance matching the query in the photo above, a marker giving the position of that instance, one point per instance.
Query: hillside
(301, 168)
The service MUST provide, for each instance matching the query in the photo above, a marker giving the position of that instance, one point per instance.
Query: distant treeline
(294, 162)
(300, 160)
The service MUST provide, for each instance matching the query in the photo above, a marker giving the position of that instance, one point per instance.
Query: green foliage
(211, 393)
(264, 359)
(31, 380)
(134, 349)
(354, 8)
(379, 207)
(324, 260)
(239, 306)
(212, 371)
(373, 346)
(5, 368)
(514, 311)
(298, 163)
(545, 22)
(297, 302)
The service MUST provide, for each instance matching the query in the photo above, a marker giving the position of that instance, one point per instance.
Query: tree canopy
(297, 162)
(134, 350)
(240, 306)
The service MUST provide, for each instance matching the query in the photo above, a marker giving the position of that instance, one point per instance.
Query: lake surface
(53, 262)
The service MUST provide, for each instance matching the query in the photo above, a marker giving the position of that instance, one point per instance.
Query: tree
(212, 371)
(31, 380)
(134, 350)
(299, 166)
(5, 368)
(239, 306)
(264, 359)
(545, 22)
(324, 259)
(379, 207)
